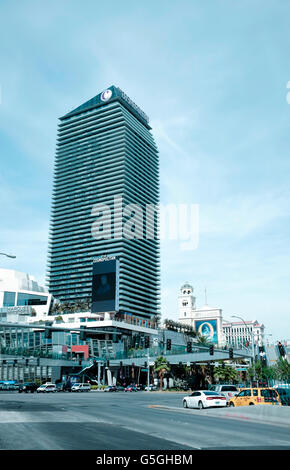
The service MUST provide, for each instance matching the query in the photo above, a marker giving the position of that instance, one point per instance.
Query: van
(284, 393)
(256, 396)
(81, 388)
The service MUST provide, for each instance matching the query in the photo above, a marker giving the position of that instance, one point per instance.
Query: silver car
(228, 391)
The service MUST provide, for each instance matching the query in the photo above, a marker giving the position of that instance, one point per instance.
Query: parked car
(204, 399)
(284, 394)
(256, 396)
(81, 387)
(111, 388)
(141, 387)
(47, 388)
(151, 388)
(120, 388)
(227, 391)
(28, 387)
(131, 388)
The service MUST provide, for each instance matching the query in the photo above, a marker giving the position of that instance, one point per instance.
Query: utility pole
(253, 345)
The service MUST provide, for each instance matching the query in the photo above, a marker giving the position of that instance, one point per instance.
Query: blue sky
(212, 77)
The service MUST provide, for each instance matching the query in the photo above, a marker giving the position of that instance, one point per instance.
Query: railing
(108, 355)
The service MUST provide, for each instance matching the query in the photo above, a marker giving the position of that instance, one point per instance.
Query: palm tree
(225, 374)
(283, 369)
(56, 308)
(202, 340)
(161, 366)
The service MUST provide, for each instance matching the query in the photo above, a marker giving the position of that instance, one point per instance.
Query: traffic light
(145, 365)
(189, 347)
(83, 335)
(147, 342)
(108, 364)
(211, 350)
(47, 333)
(38, 361)
(26, 362)
(231, 353)
(15, 362)
(168, 344)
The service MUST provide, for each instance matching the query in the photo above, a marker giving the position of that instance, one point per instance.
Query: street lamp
(8, 256)
(253, 346)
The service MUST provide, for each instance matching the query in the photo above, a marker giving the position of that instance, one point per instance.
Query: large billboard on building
(105, 288)
(207, 328)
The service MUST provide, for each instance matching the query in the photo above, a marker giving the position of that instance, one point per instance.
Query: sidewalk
(268, 414)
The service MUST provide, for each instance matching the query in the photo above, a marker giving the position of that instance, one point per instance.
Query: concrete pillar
(109, 377)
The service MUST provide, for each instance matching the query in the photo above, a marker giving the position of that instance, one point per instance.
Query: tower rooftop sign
(107, 96)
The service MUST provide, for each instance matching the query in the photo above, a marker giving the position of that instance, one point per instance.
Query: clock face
(106, 95)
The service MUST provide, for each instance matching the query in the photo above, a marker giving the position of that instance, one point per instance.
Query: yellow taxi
(256, 396)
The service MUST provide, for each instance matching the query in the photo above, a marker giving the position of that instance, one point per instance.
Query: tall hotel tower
(105, 153)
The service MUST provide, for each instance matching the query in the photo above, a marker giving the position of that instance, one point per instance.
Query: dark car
(28, 387)
(141, 387)
(61, 387)
(284, 394)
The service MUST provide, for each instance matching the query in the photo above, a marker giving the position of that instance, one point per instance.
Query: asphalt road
(129, 421)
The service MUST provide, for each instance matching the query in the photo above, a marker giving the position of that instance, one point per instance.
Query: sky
(212, 76)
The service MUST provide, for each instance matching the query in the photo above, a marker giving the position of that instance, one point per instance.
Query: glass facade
(105, 150)
(9, 299)
(31, 299)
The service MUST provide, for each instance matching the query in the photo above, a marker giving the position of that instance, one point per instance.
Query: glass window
(9, 299)
(255, 392)
(31, 299)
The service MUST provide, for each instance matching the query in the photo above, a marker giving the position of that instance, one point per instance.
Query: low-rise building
(22, 298)
(239, 333)
(205, 320)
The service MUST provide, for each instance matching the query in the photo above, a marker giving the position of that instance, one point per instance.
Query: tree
(56, 308)
(160, 367)
(203, 340)
(283, 369)
(225, 374)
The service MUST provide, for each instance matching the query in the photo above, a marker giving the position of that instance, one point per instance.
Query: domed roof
(186, 285)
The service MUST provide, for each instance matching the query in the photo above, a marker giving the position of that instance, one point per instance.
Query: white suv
(81, 388)
(228, 391)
